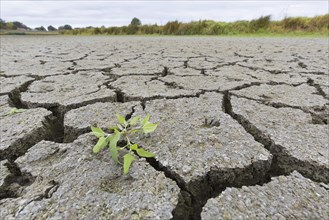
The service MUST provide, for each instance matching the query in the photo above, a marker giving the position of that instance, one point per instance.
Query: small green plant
(15, 111)
(123, 130)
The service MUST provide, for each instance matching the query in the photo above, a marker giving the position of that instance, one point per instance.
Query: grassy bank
(16, 32)
(263, 26)
(290, 34)
(317, 26)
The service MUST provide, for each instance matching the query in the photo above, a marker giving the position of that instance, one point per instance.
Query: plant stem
(128, 141)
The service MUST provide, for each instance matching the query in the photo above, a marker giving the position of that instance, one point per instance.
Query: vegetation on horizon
(262, 25)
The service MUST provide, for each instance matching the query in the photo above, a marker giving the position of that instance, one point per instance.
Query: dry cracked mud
(243, 127)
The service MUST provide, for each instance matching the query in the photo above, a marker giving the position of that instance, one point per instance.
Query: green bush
(261, 23)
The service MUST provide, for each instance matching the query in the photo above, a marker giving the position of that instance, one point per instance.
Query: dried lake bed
(243, 127)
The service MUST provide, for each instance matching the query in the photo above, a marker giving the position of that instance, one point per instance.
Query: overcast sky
(117, 13)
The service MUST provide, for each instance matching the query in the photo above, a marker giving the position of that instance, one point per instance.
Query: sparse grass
(288, 34)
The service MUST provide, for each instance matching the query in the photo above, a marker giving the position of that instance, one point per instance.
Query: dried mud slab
(169, 62)
(35, 67)
(203, 147)
(10, 84)
(78, 121)
(200, 63)
(21, 130)
(274, 67)
(297, 142)
(303, 96)
(69, 91)
(73, 183)
(137, 67)
(240, 73)
(93, 64)
(303, 55)
(3, 104)
(185, 72)
(314, 62)
(208, 83)
(146, 87)
(285, 197)
(98, 58)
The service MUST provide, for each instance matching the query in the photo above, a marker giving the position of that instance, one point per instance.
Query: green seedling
(122, 130)
(15, 111)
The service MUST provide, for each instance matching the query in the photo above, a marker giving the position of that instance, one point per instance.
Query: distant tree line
(263, 24)
(13, 25)
(16, 25)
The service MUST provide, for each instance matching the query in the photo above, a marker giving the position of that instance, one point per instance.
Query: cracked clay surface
(242, 127)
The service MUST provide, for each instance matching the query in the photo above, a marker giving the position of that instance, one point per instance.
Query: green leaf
(127, 160)
(146, 119)
(113, 128)
(11, 112)
(98, 132)
(19, 110)
(15, 110)
(149, 127)
(114, 138)
(134, 120)
(101, 143)
(134, 131)
(121, 119)
(114, 152)
(134, 147)
(143, 153)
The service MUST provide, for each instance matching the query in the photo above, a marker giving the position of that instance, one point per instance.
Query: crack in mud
(283, 163)
(53, 124)
(319, 114)
(15, 95)
(194, 195)
(254, 68)
(15, 182)
(318, 88)
(245, 85)
(240, 55)
(52, 188)
(20, 146)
